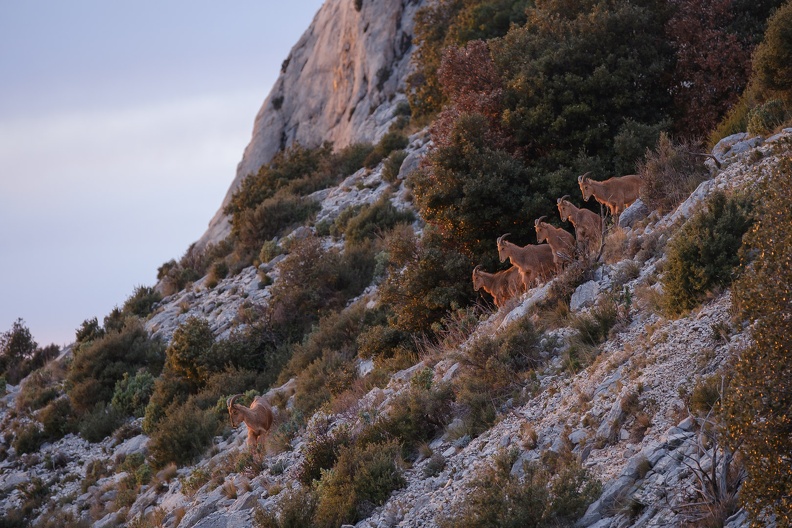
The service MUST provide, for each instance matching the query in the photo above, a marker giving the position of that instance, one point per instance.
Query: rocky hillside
(626, 416)
(339, 287)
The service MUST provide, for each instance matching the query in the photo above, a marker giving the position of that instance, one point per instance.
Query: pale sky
(121, 125)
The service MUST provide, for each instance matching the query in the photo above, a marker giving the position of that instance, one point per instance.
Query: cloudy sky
(121, 124)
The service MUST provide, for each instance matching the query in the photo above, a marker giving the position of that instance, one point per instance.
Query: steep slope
(342, 82)
(625, 416)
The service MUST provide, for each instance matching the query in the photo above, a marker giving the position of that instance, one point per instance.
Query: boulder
(584, 295)
(634, 214)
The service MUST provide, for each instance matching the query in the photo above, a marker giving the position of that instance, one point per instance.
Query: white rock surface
(363, 55)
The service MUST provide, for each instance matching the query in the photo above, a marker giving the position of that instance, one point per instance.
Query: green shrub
(336, 331)
(28, 438)
(141, 302)
(383, 342)
(195, 480)
(764, 119)
(99, 423)
(58, 418)
(390, 171)
(273, 217)
(392, 140)
(39, 388)
(257, 348)
(362, 479)
(669, 173)
(704, 253)
(217, 272)
(425, 280)
(374, 219)
(288, 166)
(174, 276)
(418, 416)
(340, 223)
(473, 192)
(99, 364)
(594, 327)
(321, 452)
(269, 250)
(132, 394)
(326, 377)
(350, 159)
(772, 68)
(315, 281)
(131, 462)
(706, 395)
(495, 369)
(168, 390)
(143, 474)
(541, 498)
(295, 509)
(182, 435)
(188, 355)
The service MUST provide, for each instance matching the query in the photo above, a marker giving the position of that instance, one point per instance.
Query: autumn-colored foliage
(712, 64)
(761, 400)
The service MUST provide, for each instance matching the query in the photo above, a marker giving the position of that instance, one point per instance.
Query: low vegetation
(539, 495)
(524, 98)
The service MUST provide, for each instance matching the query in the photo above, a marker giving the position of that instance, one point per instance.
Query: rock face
(342, 82)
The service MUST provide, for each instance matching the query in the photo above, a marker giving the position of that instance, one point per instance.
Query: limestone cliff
(341, 82)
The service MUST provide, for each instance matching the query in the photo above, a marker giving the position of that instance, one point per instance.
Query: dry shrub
(551, 493)
(616, 246)
(670, 173)
(294, 510)
(554, 309)
(362, 479)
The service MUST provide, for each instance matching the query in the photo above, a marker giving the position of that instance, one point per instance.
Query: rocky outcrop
(342, 82)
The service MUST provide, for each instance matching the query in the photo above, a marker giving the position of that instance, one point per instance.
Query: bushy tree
(99, 364)
(525, 115)
(20, 354)
(141, 302)
(773, 59)
(575, 75)
(446, 23)
(189, 353)
(315, 281)
(704, 253)
(472, 192)
(712, 63)
(761, 396)
(426, 280)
